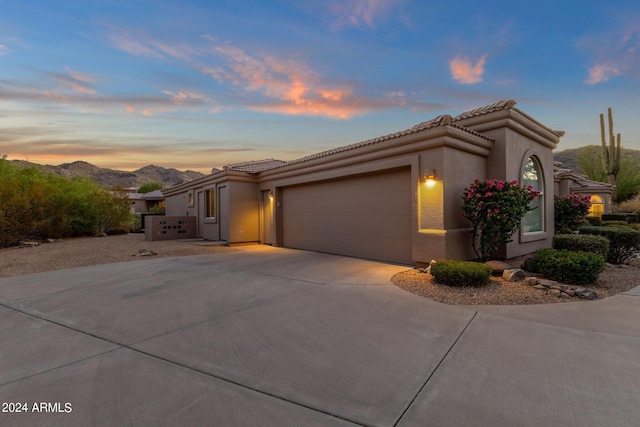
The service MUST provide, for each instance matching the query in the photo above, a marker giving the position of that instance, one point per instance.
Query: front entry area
(367, 216)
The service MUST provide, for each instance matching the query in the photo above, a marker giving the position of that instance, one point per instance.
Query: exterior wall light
(430, 178)
(270, 196)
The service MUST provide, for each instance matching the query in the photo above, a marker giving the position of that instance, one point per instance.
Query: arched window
(533, 221)
(597, 206)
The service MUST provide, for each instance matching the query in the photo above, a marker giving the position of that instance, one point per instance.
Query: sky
(200, 84)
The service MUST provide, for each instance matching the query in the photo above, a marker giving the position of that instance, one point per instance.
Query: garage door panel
(367, 216)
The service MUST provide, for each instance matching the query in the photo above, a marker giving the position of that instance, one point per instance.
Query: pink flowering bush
(571, 211)
(495, 209)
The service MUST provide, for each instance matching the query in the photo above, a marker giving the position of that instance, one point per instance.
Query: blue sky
(200, 84)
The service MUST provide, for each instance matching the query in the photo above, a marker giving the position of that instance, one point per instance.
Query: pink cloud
(614, 54)
(464, 71)
(4, 50)
(358, 13)
(601, 73)
(292, 87)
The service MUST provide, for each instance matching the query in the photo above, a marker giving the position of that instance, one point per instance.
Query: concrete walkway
(278, 337)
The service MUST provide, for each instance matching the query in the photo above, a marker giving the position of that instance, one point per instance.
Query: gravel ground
(613, 280)
(78, 252)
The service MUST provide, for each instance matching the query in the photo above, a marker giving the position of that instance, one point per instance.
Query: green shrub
(596, 221)
(624, 242)
(626, 217)
(461, 273)
(570, 211)
(38, 205)
(582, 243)
(621, 224)
(575, 268)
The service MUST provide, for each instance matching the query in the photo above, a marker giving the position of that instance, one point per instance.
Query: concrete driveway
(278, 337)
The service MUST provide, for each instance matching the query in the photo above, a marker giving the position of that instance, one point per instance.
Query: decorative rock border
(561, 291)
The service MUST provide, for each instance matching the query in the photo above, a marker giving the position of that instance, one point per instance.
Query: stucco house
(568, 181)
(143, 202)
(394, 198)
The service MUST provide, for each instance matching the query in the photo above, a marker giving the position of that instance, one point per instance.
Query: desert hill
(113, 177)
(569, 157)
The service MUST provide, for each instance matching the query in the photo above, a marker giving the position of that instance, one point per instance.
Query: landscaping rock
(555, 292)
(428, 269)
(145, 252)
(514, 275)
(497, 267)
(545, 283)
(527, 264)
(532, 281)
(587, 294)
(29, 244)
(541, 287)
(564, 295)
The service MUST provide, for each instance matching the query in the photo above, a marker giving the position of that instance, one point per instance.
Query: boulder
(497, 267)
(428, 269)
(527, 264)
(514, 275)
(29, 244)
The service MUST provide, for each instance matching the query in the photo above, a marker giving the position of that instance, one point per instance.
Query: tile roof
(587, 183)
(255, 166)
(443, 120)
(498, 106)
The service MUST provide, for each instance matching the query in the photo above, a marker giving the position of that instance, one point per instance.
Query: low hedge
(626, 217)
(582, 243)
(595, 221)
(461, 273)
(624, 242)
(575, 268)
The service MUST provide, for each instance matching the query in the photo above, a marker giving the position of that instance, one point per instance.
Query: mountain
(112, 177)
(569, 157)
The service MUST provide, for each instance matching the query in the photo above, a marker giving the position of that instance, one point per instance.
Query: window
(190, 198)
(210, 203)
(597, 206)
(533, 221)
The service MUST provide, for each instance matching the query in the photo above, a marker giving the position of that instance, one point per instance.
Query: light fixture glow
(430, 178)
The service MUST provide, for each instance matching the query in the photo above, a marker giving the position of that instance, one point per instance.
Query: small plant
(575, 268)
(571, 211)
(582, 243)
(461, 273)
(630, 206)
(495, 209)
(595, 221)
(624, 242)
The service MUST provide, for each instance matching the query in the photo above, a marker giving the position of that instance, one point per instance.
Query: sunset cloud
(141, 44)
(601, 73)
(77, 82)
(615, 54)
(361, 13)
(4, 50)
(291, 86)
(464, 71)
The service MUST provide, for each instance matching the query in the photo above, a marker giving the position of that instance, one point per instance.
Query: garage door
(366, 216)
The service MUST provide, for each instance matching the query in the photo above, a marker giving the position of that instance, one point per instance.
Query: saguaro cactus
(610, 154)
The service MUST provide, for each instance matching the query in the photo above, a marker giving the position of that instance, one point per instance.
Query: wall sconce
(270, 196)
(430, 178)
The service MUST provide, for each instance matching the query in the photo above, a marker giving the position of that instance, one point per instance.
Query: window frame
(541, 234)
(210, 203)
